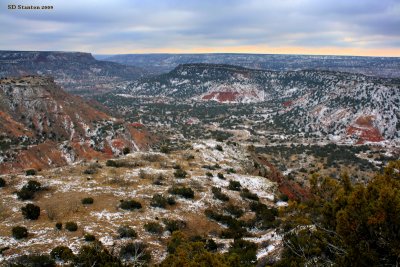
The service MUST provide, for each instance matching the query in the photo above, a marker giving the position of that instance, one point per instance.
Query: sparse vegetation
(71, 226)
(183, 191)
(87, 201)
(31, 211)
(62, 253)
(28, 190)
(245, 193)
(30, 172)
(217, 192)
(136, 253)
(234, 185)
(59, 226)
(161, 201)
(89, 237)
(179, 173)
(130, 204)
(174, 225)
(2, 182)
(126, 231)
(19, 232)
(153, 227)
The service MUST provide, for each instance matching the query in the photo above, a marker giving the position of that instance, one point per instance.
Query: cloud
(123, 25)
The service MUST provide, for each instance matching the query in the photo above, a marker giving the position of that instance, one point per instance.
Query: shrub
(126, 150)
(171, 201)
(130, 204)
(62, 253)
(179, 173)
(2, 182)
(33, 185)
(59, 226)
(111, 163)
(87, 201)
(153, 227)
(159, 201)
(209, 174)
(136, 252)
(89, 237)
(246, 250)
(33, 261)
(126, 231)
(218, 194)
(283, 197)
(19, 232)
(89, 171)
(174, 225)
(234, 185)
(211, 245)
(24, 194)
(95, 255)
(28, 191)
(249, 195)
(218, 147)
(71, 226)
(234, 210)
(30, 172)
(185, 192)
(220, 176)
(31, 211)
(165, 149)
(230, 170)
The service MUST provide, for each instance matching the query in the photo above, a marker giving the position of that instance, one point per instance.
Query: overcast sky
(349, 27)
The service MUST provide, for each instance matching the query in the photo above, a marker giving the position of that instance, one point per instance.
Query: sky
(323, 27)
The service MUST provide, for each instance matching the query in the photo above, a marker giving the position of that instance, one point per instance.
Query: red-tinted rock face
(364, 130)
(48, 127)
(222, 96)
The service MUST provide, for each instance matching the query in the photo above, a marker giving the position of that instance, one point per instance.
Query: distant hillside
(322, 102)
(371, 66)
(43, 126)
(77, 72)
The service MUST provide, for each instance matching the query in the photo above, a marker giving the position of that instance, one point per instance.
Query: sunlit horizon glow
(327, 51)
(307, 27)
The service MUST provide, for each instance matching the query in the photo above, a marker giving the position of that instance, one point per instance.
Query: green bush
(126, 150)
(220, 176)
(36, 260)
(96, 255)
(234, 210)
(2, 182)
(153, 227)
(126, 231)
(62, 253)
(19, 232)
(136, 252)
(130, 204)
(234, 185)
(87, 201)
(28, 191)
(59, 226)
(71, 226)
(179, 173)
(174, 225)
(165, 149)
(30, 172)
(246, 250)
(218, 147)
(159, 201)
(249, 195)
(218, 194)
(89, 237)
(209, 174)
(111, 163)
(185, 192)
(31, 211)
